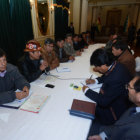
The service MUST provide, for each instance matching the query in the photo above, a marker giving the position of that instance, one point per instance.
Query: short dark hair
(119, 44)
(68, 35)
(2, 53)
(59, 39)
(137, 85)
(75, 35)
(48, 41)
(101, 57)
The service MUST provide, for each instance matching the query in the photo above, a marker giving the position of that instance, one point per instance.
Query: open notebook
(16, 103)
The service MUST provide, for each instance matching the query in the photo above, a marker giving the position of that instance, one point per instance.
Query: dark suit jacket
(112, 99)
(30, 68)
(126, 128)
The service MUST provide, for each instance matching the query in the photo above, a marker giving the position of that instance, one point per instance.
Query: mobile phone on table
(49, 86)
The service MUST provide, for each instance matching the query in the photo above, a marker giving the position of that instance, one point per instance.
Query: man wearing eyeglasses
(128, 126)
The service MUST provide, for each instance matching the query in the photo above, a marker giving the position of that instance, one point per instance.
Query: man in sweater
(68, 46)
(10, 81)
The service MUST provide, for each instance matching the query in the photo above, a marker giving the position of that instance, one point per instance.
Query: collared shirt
(2, 74)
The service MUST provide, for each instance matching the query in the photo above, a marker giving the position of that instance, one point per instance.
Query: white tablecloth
(54, 121)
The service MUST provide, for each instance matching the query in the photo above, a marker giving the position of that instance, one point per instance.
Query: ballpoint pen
(90, 77)
(84, 84)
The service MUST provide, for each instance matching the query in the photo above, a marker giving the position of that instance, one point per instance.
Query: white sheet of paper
(95, 87)
(18, 103)
(62, 69)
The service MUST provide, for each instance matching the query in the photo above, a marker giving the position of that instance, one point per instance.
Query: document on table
(96, 87)
(34, 103)
(16, 103)
(62, 69)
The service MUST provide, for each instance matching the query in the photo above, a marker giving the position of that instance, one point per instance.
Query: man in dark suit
(128, 126)
(71, 29)
(112, 99)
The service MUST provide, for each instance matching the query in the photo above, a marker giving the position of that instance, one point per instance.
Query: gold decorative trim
(37, 16)
(56, 5)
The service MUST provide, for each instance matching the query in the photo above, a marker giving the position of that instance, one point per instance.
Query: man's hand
(43, 65)
(84, 88)
(96, 137)
(24, 93)
(71, 58)
(90, 81)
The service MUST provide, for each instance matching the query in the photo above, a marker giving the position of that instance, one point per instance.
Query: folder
(35, 103)
(83, 109)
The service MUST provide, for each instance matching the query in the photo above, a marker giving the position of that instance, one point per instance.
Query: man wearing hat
(31, 64)
(49, 54)
(10, 81)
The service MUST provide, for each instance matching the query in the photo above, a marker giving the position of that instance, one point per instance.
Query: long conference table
(53, 122)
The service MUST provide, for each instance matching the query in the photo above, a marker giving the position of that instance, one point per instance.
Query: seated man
(68, 46)
(127, 127)
(82, 43)
(31, 65)
(59, 49)
(112, 39)
(112, 98)
(76, 45)
(10, 81)
(49, 54)
(124, 56)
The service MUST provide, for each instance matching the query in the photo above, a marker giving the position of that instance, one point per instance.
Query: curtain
(21, 25)
(61, 18)
(15, 27)
(65, 17)
(5, 29)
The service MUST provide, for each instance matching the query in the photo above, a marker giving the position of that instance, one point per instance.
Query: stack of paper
(62, 69)
(34, 103)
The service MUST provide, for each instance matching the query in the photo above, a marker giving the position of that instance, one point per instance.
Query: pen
(82, 84)
(90, 77)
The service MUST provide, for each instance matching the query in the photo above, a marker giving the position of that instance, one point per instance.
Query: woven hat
(32, 46)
